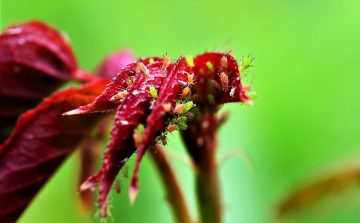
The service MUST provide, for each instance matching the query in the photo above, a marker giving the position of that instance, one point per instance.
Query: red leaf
(34, 61)
(205, 79)
(118, 84)
(131, 112)
(42, 139)
(170, 92)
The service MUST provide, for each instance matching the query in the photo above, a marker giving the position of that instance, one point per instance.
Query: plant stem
(173, 189)
(201, 143)
(207, 187)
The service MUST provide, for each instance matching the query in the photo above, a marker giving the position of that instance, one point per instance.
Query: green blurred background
(306, 70)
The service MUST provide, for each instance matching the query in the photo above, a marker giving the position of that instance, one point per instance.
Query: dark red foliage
(170, 92)
(34, 61)
(91, 148)
(135, 108)
(132, 111)
(42, 139)
(205, 78)
(103, 102)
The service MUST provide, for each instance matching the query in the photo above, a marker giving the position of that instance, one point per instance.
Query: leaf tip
(73, 112)
(86, 185)
(133, 192)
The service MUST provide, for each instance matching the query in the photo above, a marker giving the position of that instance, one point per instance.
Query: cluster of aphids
(177, 121)
(141, 68)
(121, 94)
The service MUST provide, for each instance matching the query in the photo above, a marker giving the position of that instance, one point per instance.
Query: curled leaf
(42, 139)
(132, 111)
(118, 84)
(170, 91)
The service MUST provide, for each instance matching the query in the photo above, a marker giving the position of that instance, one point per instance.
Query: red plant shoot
(151, 97)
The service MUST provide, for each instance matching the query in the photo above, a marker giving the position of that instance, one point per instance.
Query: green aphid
(153, 92)
(245, 64)
(173, 121)
(182, 119)
(140, 128)
(151, 61)
(182, 126)
(211, 99)
(187, 107)
(211, 86)
(253, 95)
(190, 61)
(210, 66)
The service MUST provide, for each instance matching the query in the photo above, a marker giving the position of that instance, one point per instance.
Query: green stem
(207, 186)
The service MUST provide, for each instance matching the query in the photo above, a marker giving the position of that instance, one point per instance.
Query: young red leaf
(42, 139)
(170, 92)
(118, 84)
(131, 112)
(208, 81)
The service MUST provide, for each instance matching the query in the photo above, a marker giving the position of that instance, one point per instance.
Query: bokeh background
(306, 71)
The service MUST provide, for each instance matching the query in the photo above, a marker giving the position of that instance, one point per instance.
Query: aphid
(224, 80)
(171, 128)
(179, 108)
(183, 126)
(189, 115)
(162, 139)
(245, 64)
(119, 96)
(129, 82)
(253, 95)
(142, 68)
(137, 137)
(190, 61)
(153, 92)
(190, 80)
(167, 107)
(141, 129)
(151, 60)
(118, 187)
(215, 84)
(224, 64)
(187, 107)
(210, 66)
(185, 92)
(182, 119)
(125, 172)
(246, 88)
(173, 121)
(166, 62)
